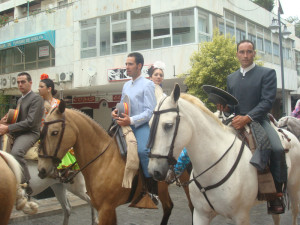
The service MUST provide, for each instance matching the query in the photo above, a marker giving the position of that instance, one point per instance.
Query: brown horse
(65, 128)
(10, 177)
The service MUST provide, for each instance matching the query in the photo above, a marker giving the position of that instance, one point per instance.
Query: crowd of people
(253, 86)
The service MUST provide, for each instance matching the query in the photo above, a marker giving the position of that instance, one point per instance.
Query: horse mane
(92, 122)
(197, 102)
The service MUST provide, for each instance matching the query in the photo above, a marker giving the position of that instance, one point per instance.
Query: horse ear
(62, 106)
(176, 93)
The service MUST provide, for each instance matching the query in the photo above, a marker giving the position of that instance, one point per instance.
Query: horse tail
(13, 165)
(22, 203)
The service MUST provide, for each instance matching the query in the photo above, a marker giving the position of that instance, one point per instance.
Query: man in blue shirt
(141, 93)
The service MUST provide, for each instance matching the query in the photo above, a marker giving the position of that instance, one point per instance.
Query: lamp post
(276, 24)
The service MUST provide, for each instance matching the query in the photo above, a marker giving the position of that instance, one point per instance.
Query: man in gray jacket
(255, 89)
(26, 130)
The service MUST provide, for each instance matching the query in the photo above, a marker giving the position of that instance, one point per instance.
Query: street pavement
(51, 214)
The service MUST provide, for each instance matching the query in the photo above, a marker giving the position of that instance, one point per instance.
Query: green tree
(211, 65)
(296, 21)
(267, 4)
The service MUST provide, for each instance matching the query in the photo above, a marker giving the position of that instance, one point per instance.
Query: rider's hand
(3, 129)
(114, 114)
(239, 122)
(124, 120)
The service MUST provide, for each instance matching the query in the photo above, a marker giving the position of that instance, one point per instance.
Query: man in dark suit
(26, 130)
(255, 89)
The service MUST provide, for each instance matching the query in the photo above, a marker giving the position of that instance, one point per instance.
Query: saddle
(259, 144)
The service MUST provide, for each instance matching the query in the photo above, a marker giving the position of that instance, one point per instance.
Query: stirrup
(276, 206)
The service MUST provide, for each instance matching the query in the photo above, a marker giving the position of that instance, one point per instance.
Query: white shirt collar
(244, 71)
(23, 96)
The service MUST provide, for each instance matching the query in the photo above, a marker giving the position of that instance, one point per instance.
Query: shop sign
(84, 99)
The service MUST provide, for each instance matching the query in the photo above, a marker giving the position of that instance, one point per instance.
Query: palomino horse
(227, 182)
(10, 192)
(99, 158)
(77, 188)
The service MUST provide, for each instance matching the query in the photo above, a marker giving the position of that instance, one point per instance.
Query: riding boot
(152, 188)
(277, 206)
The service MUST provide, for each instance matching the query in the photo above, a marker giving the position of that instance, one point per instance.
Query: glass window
(88, 38)
(119, 32)
(230, 28)
(140, 29)
(240, 29)
(161, 25)
(203, 26)
(276, 49)
(229, 16)
(183, 26)
(162, 42)
(31, 56)
(105, 35)
(268, 47)
(252, 33)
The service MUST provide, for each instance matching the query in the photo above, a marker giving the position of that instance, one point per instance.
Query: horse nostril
(42, 173)
(157, 175)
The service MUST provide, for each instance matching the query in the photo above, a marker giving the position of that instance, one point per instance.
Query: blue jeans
(141, 134)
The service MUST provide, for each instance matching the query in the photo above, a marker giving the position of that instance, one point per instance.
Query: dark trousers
(278, 165)
(20, 147)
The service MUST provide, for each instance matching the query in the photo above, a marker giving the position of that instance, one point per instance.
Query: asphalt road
(132, 216)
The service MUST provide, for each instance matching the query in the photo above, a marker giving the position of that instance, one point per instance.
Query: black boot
(277, 206)
(152, 188)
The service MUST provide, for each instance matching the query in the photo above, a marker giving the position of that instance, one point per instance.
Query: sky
(290, 8)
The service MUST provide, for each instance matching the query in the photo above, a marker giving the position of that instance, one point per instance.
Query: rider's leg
(20, 147)
(278, 165)
(141, 134)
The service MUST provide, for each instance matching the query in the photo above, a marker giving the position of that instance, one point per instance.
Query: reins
(169, 157)
(172, 161)
(55, 159)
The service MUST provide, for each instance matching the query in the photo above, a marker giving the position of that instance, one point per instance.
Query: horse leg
(80, 192)
(185, 177)
(166, 201)
(242, 218)
(107, 215)
(276, 219)
(200, 218)
(294, 197)
(61, 195)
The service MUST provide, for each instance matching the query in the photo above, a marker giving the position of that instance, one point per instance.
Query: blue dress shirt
(141, 93)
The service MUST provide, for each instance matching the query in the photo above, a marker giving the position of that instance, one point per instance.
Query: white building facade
(83, 44)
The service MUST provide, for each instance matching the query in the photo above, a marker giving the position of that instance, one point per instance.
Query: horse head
(56, 139)
(163, 139)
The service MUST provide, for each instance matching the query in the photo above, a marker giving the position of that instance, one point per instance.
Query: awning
(46, 35)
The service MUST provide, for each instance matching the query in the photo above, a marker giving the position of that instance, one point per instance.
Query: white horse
(206, 140)
(38, 185)
(77, 188)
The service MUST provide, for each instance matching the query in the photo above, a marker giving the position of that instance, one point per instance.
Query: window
(276, 49)
(203, 26)
(105, 35)
(140, 29)
(183, 26)
(27, 57)
(240, 29)
(161, 31)
(88, 38)
(119, 32)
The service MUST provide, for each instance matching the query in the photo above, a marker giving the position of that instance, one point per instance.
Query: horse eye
(54, 133)
(168, 126)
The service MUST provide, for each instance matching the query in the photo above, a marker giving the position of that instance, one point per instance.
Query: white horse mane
(197, 102)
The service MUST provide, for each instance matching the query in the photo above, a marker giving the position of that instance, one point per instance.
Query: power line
(242, 8)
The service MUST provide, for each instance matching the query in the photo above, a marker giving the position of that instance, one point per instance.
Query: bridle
(54, 157)
(153, 129)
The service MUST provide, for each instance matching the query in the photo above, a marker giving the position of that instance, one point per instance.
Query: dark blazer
(256, 91)
(30, 115)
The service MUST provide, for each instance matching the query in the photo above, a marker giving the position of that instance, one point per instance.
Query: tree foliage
(296, 21)
(211, 65)
(267, 4)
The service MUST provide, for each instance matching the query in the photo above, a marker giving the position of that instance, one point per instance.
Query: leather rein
(172, 161)
(54, 157)
(169, 157)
